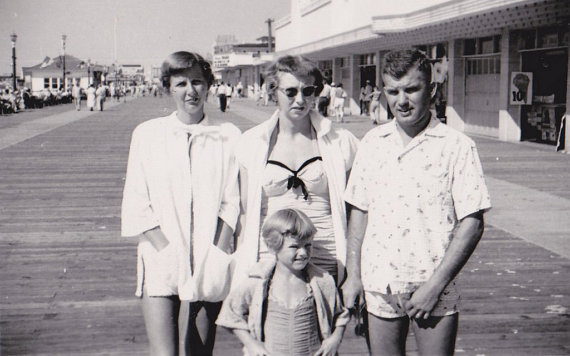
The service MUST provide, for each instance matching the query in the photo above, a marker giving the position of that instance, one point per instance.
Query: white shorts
(387, 305)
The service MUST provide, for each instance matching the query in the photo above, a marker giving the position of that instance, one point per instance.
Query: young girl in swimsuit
(287, 306)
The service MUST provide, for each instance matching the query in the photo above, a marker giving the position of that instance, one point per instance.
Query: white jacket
(160, 192)
(336, 146)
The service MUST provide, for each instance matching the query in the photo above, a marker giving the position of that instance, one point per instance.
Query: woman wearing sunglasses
(296, 159)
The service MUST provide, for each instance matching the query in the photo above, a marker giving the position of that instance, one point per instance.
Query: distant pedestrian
(375, 106)
(101, 93)
(229, 94)
(76, 95)
(91, 96)
(181, 200)
(340, 97)
(324, 98)
(222, 96)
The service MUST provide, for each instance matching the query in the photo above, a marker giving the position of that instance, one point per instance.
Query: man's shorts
(389, 305)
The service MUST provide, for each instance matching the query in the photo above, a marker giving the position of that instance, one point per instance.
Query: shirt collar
(434, 129)
(203, 127)
(321, 125)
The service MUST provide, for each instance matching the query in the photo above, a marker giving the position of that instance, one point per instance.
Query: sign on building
(521, 88)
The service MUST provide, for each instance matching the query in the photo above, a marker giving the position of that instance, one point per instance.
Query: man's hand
(423, 300)
(352, 293)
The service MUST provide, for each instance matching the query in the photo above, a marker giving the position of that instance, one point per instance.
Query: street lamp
(88, 72)
(13, 38)
(63, 38)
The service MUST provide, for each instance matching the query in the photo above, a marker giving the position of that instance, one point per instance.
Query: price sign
(521, 88)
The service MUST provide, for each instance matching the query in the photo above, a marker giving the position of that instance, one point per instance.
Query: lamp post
(13, 38)
(88, 72)
(63, 38)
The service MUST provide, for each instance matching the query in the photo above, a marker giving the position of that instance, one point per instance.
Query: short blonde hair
(286, 222)
(298, 66)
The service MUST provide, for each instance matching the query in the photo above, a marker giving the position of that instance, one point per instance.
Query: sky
(146, 30)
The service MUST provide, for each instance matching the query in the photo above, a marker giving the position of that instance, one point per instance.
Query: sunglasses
(292, 92)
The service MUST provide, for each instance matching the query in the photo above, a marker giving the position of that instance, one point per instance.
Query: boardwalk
(67, 279)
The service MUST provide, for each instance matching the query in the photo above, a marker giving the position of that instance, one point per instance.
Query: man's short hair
(398, 63)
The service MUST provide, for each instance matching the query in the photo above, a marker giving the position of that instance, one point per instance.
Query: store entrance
(541, 121)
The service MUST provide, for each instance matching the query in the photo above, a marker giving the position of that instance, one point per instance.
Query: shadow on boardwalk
(67, 279)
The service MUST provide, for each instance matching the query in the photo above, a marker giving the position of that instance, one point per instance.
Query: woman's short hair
(178, 62)
(298, 66)
(287, 222)
(398, 63)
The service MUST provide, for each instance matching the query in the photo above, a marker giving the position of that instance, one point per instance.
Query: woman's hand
(330, 345)
(256, 348)
(156, 238)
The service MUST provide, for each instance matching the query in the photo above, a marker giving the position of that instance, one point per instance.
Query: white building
(483, 44)
(49, 74)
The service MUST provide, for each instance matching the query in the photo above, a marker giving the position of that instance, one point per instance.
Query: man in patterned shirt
(418, 196)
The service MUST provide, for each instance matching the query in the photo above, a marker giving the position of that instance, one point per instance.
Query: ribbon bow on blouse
(197, 129)
(294, 181)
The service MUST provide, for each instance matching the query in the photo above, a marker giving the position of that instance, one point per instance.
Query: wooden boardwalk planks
(67, 279)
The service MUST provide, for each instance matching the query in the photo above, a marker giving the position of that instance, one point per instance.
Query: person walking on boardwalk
(296, 159)
(90, 93)
(418, 196)
(76, 95)
(101, 93)
(222, 89)
(287, 306)
(181, 198)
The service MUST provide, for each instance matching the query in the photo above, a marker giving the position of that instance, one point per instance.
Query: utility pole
(270, 38)
(63, 38)
(13, 38)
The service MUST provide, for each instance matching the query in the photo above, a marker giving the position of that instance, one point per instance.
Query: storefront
(544, 64)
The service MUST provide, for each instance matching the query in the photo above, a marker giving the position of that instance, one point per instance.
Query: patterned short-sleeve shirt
(415, 196)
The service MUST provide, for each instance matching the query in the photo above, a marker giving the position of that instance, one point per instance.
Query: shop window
(483, 65)
(367, 59)
(343, 62)
(469, 48)
(482, 45)
(543, 37)
(325, 65)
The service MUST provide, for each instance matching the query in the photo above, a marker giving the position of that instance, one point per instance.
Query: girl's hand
(256, 348)
(330, 345)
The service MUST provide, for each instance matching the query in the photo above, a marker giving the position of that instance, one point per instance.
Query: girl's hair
(178, 62)
(298, 66)
(286, 222)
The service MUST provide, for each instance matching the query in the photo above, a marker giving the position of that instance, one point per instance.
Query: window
(54, 83)
(483, 65)
(343, 62)
(482, 45)
(367, 59)
(46, 83)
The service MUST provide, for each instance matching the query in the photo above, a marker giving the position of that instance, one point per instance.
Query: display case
(543, 121)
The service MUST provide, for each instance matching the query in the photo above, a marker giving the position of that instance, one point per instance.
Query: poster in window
(521, 88)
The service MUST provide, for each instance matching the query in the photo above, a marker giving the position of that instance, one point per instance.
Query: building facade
(50, 74)
(502, 65)
(234, 63)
